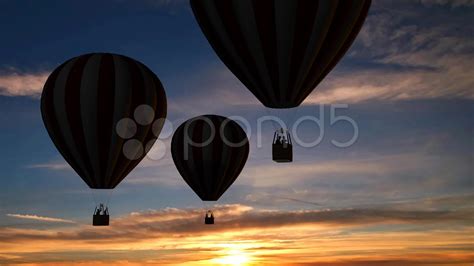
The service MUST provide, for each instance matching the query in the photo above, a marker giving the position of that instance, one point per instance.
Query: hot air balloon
(280, 49)
(209, 152)
(99, 110)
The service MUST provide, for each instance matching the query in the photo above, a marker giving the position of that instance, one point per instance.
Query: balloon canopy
(280, 49)
(209, 152)
(82, 102)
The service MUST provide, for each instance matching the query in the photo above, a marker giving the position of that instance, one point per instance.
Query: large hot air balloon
(209, 152)
(101, 112)
(280, 49)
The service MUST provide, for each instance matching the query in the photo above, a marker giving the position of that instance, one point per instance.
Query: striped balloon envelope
(209, 152)
(280, 49)
(103, 112)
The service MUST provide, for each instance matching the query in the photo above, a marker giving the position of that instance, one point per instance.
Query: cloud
(51, 166)
(159, 223)
(39, 218)
(174, 236)
(351, 179)
(22, 84)
(362, 86)
(346, 169)
(401, 54)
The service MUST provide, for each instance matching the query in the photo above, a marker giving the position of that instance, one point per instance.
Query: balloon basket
(100, 220)
(282, 148)
(209, 219)
(101, 216)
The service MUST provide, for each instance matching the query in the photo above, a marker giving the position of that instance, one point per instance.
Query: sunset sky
(402, 194)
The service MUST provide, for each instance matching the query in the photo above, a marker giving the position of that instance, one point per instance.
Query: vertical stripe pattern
(82, 101)
(209, 152)
(280, 49)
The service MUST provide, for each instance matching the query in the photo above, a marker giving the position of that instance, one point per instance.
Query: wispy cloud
(403, 55)
(39, 218)
(375, 165)
(51, 166)
(15, 83)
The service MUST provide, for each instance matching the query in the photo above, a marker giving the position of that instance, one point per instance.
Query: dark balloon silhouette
(209, 152)
(280, 49)
(82, 102)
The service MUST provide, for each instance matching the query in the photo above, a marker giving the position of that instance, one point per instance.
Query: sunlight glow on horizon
(241, 247)
(233, 255)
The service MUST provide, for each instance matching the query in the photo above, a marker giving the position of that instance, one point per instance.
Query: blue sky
(408, 81)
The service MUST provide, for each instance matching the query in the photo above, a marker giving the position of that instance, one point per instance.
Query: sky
(401, 194)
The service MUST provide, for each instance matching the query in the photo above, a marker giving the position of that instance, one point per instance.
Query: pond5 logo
(127, 128)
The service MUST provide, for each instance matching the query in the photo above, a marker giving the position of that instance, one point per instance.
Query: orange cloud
(248, 236)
